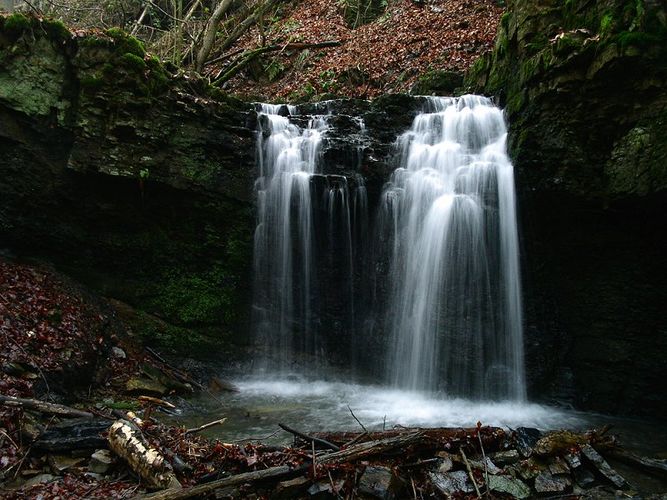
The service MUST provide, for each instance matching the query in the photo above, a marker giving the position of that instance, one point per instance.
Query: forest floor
(80, 406)
(409, 41)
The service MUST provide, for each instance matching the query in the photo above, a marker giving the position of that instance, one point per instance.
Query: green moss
(16, 24)
(437, 81)
(133, 62)
(56, 29)
(638, 39)
(606, 24)
(126, 43)
(91, 82)
(505, 21)
(92, 41)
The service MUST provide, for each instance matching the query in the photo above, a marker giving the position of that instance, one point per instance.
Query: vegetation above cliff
(274, 49)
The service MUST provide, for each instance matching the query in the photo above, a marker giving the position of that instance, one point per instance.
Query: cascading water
(455, 310)
(284, 238)
(304, 240)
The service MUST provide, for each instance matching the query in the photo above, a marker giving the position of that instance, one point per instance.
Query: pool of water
(317, 405)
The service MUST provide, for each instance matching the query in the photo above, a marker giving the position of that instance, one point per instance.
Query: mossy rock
(437, 82)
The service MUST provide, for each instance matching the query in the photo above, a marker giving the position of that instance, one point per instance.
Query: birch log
(127, 442)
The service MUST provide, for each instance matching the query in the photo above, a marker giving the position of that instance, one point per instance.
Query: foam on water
(324, 405)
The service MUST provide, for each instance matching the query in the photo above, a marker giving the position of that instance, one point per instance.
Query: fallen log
(272, 473)
(44, 407)
(127, 442)
(368, 449)
(322, 442)
(651, 465)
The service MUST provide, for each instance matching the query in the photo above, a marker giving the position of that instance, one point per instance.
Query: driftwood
(206, 426)
(44, 407)
(433, 437)
(272, 473)
(156, 401)
(322, 442)
(652, 465)
(362, 451)
(128, 443)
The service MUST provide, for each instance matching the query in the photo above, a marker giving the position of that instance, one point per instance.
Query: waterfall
(284, 237)
(304, 249)
(444, 295)
(454, 315)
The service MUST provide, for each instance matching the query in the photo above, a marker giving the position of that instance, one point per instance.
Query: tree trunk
(210, 32)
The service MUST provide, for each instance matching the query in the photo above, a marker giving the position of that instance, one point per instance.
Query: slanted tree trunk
(210, 31)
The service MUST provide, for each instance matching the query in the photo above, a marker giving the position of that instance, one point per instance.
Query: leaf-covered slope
(408, 41)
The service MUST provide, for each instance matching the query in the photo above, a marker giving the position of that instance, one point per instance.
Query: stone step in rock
(379, 482)
(547, 483)
(510, 486)
(601, 465)
(508, 457)
(451, 482)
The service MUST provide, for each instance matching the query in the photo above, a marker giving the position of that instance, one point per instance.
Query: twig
(44, 407)
(206, 426)
(273, 473)
(414, 490)
(249, 55)
(157, 401)
(314, 460)
(486, 468)
(306, 437)
(10, 439)
(137, 25)
(472, 478)
(41, 373)
(358, 421)
(261, 438)
(356, 439)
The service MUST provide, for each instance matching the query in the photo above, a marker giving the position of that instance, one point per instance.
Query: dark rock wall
(585, 88)
(128, 183)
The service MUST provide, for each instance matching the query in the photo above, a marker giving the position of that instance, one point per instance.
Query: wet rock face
(584, 85)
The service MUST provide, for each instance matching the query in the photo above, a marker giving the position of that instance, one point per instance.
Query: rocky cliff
(585, 88)
(125, 180)
(140, 184)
